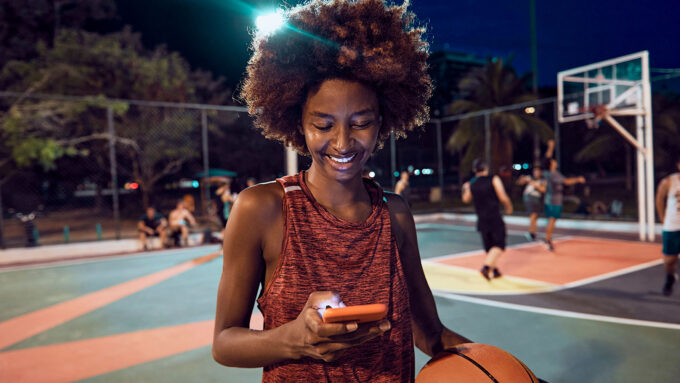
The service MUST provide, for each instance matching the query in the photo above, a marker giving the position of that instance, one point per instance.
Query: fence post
(440, 157)
(487, 139)
(2, 222)
(556, 128)
(206, 161)
(393, 159)
(114, 170)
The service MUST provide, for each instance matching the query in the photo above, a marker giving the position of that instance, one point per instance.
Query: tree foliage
(493, 85)
(24, 23)
(152, 142)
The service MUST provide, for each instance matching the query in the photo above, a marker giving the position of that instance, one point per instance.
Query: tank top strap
(290, 183)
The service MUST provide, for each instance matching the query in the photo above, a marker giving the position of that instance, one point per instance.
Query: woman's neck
(331, 193)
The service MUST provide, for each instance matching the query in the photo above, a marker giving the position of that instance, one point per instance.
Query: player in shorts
(487, 193)
(554, 190)
(668, 208)
(533, 198)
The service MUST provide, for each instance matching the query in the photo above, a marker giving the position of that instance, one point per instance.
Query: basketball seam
(525, 368)
(476, 364)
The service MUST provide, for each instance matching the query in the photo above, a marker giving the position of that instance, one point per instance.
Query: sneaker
(496, 273)
(548, 245)
(531, 237)
(485, 272)
(668, 286)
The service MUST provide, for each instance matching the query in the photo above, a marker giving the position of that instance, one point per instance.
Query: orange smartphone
(359, 314)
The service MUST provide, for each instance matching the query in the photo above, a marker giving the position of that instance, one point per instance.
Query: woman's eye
(322, 127)
(362, 124)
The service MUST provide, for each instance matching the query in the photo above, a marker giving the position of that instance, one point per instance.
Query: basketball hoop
(599, 113)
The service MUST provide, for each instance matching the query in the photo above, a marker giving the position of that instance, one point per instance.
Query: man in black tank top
(487, 193)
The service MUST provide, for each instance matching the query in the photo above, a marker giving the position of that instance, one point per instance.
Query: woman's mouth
(342, 159)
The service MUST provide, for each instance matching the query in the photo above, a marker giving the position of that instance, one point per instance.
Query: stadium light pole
(534, 70)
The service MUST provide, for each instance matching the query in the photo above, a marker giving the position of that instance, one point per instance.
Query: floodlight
(269, 22)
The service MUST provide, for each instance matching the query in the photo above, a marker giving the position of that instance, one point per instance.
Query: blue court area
(590, 332)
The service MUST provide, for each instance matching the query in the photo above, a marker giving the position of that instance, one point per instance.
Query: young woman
(333, 84)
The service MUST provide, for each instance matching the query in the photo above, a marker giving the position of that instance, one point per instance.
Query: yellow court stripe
(463, 280)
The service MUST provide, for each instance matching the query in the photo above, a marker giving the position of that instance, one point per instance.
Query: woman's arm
(256, 214)
(429, 334)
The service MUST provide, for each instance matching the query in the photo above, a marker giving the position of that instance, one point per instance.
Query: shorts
(671, 242)
(553, 211)
(533, 205)
(493, 237)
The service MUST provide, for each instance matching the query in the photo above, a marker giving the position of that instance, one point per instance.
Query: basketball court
(590, 311)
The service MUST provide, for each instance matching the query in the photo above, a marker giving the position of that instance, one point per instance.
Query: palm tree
(493, 85)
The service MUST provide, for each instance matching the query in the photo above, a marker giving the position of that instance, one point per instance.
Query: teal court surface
(592, 311)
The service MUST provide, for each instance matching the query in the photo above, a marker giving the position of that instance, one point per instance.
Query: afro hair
(358, 40)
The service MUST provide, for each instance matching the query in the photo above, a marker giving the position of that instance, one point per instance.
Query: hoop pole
(649, 143)
(641, 184)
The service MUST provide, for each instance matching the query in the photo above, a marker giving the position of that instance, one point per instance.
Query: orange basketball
(475, 363)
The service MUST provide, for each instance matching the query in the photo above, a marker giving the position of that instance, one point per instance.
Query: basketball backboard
(605, 90)
(616, 84)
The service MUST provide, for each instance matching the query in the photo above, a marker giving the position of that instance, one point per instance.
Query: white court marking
(555, 312)
(104, 258)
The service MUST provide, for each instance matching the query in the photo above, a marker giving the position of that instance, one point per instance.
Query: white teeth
(343, 160)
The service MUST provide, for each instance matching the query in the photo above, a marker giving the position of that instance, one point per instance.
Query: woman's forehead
(341, 96)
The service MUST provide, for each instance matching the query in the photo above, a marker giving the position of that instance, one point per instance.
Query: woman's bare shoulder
(262, 201)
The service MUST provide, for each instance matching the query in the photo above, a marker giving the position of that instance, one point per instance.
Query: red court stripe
(67, 362)
(25, 326)
(573, 259)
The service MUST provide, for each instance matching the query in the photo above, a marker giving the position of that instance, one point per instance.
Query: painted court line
(25, 326)
(558, 313)
(443, 226)
(610, 275)
(82, 261)
(481, 251)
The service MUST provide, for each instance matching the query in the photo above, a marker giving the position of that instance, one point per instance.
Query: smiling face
(340, 123)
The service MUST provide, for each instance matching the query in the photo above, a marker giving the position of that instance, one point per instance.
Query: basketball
(475, 363)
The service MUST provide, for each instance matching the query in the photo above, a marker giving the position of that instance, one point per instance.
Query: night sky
(214, 34)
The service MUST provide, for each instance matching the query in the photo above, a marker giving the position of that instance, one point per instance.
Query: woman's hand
(309, 336)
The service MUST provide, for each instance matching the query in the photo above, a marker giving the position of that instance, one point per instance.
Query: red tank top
(359, 261)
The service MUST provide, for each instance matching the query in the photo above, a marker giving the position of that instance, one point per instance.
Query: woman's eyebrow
(321, 114)
(362, 112)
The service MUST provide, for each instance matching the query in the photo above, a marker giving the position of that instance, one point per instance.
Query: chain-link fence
(122, 155)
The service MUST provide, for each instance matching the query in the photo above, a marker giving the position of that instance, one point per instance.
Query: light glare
(269, 22)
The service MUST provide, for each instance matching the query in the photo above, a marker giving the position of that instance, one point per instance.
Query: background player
(668, 208)
(485, 192)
